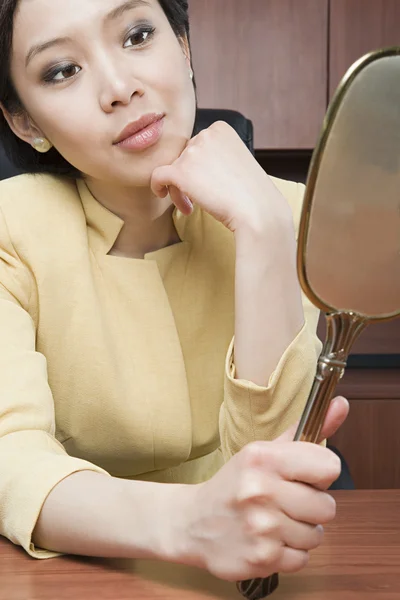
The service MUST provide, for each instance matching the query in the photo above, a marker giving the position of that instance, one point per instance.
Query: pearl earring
(41, 145)
(191, 74)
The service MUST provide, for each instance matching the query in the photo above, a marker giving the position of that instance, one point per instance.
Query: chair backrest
(7, 169)
(204, 118)
(244, 127)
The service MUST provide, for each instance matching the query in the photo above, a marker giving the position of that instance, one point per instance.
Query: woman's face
(115, 62)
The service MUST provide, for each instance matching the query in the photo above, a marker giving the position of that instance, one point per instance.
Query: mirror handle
(342, 330)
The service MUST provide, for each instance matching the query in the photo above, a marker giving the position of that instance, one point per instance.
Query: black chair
(345, 480)
(244, 127)
(7, 169)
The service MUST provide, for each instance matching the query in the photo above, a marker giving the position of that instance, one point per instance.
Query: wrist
(268, 213)
(177, 543)
(269, 238)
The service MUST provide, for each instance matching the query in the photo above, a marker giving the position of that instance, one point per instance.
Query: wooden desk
(360, 560)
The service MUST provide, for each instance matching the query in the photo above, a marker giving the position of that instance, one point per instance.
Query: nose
(117, 87)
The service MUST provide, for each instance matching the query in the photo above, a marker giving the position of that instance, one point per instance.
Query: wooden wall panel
(358, 27)
(370, 443)
(369, 440)
(267, 59)
(377, 338)
(370, 384)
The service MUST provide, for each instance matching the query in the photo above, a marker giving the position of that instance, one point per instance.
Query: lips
(138, 125)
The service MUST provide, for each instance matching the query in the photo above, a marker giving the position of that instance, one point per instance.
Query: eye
(61, 74)
(140, 36)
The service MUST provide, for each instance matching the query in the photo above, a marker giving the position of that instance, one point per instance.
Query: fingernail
(341, 399)
(188, 202)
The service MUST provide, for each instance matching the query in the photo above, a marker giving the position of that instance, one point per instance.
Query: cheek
(177, 91)
(171, 74)
(68, 123)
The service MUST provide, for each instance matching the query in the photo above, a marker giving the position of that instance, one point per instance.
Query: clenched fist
(217, 172)
(263, 511)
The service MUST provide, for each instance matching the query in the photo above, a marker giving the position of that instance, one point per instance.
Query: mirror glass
(351, 252)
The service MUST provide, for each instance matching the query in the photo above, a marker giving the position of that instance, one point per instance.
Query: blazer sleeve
(250, 412)
(32, 461)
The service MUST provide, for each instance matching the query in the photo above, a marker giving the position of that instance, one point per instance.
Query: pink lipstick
(141, 134)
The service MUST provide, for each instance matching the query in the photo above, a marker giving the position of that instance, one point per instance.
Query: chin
(138, 169)
(133, 177)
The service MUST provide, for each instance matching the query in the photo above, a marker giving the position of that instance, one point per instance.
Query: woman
(117, 295)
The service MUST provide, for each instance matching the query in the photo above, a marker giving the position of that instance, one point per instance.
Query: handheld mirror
(349, 240)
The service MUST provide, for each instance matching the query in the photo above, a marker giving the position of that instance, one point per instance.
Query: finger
(302, 536)
(164, 177)
(290, 561)
(262, 522)
(305, 503)
(266, 463)
(166, 180)
(293, 560)
(304, 462)
(337, 413)
(181, 201)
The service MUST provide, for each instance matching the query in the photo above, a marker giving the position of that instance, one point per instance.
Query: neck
(148, 224)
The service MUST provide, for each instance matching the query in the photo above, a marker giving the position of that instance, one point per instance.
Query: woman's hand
(218, 173)
(262, 512)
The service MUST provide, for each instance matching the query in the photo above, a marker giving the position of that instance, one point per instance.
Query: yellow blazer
(117, 365)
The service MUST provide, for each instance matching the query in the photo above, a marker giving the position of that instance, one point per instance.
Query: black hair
(21, 154)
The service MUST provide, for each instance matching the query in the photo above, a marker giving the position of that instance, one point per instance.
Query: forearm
(95, 515)
(268, 306)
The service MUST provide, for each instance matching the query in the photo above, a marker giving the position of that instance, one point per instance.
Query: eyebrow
(116, 13)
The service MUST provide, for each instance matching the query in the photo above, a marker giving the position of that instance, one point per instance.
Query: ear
(22, 125)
